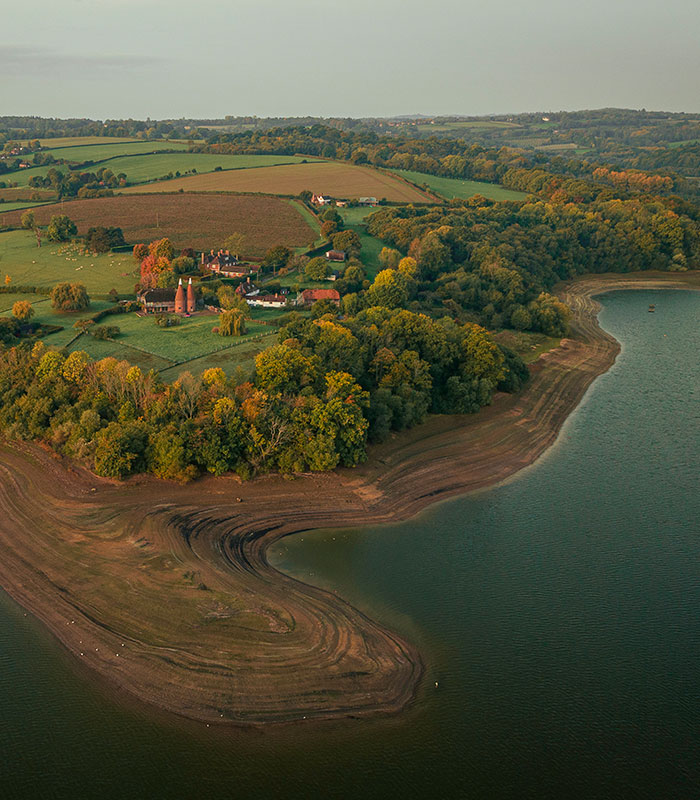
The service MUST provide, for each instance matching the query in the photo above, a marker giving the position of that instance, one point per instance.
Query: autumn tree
(69, 297)
(22, 311)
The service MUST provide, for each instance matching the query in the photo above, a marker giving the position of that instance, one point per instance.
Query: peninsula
(166, 590)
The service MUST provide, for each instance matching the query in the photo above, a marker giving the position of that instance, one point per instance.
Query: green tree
(61, 228)
(277, 257)
(317, 269)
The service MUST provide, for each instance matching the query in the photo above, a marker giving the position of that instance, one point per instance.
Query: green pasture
(142, 168)
(192, 338)
(7, 300)
(99, 152)
(29, 265)
(23, 176)
(355, 219)
(44, 314)
(98, 349)
(240, 356)
(455, 187)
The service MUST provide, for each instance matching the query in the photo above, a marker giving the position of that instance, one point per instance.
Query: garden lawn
(29, 265)
(454, 187)
(44, 314)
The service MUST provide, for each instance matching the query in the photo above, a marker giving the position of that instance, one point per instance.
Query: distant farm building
(321, 199)
(368, 201)
(310, 296)
(335, 255)
(168, 301)
(266, 300)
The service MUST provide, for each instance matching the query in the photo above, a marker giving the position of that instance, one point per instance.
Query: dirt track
(166, 591)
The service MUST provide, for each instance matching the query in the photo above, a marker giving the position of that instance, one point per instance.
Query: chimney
(202, 258)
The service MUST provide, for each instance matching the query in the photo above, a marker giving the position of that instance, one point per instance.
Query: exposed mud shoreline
(166, 591)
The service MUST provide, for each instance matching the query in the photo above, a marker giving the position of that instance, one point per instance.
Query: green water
(558, 613)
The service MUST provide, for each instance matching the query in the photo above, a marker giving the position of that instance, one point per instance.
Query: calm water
(559, 615)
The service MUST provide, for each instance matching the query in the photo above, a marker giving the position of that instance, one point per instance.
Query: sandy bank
(166, 591)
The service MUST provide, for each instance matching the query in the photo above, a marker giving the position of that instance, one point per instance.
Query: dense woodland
(315, 400)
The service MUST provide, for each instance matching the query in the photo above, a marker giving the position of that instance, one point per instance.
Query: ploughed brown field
(198, 221)
(345, 181)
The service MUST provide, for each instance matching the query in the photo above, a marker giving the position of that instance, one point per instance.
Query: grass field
(45, 315)
(199, 221)
(23, 177)
(28, 265)
(453, 187)
(141, 168)
(354, 219)
(333, 178)
(98, 152)
(237, 357)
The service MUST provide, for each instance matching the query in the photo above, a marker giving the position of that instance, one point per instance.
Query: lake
(558, 615)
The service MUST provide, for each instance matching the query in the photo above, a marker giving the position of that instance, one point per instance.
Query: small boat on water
(652, 308)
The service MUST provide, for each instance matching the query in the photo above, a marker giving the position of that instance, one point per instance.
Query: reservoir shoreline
(167, 592)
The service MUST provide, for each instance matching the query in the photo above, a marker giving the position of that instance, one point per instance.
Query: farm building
(368, 201)
(225, 264)
(246, 288)
(321, 199)
(310, 296)
(266, 301)
(335, 255)
(167, 301)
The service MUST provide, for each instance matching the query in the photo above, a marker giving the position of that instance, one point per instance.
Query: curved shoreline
(167, 591)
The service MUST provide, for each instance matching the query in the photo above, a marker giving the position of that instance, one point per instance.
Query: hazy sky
(201, 58)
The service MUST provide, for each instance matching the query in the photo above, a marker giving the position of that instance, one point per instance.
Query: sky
(209, 58)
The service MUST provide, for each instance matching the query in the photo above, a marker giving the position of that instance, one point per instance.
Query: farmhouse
(335, 255)
(224, 263)
(321, 199)
(310, 296)
(167, 301)
(266, 301)
(246, 288)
